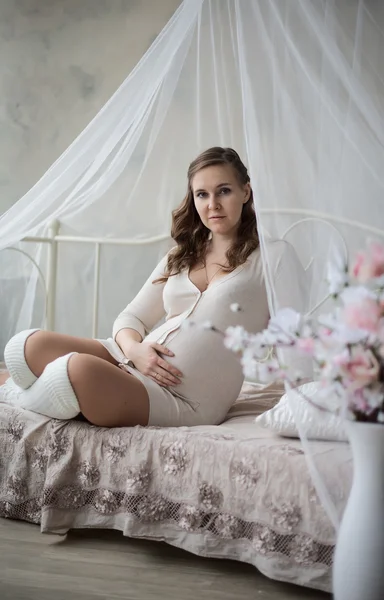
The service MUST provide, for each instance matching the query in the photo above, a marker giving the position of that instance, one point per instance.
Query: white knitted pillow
(318, 425)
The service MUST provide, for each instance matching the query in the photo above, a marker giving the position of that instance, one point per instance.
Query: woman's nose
(213, 203)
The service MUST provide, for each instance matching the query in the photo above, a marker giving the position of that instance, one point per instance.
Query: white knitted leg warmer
(52, 394)
(14, 356)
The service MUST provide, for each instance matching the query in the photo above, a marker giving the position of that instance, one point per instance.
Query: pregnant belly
(211, 373)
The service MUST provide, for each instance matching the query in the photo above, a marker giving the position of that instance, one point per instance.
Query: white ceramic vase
(358, 570)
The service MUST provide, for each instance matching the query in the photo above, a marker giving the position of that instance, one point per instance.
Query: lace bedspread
(231, 491)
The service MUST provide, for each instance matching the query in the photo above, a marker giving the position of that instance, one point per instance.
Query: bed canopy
(295, 86)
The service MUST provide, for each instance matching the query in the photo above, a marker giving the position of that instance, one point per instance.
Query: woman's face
(219, 199)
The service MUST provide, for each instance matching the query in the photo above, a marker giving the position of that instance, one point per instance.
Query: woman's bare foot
(4, 375)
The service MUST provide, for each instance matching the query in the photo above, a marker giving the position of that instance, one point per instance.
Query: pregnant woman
(178, 373)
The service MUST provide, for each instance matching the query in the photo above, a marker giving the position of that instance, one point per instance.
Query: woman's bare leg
(107, 395)
(42, 347)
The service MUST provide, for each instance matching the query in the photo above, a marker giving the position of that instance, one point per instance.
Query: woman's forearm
(127, 339)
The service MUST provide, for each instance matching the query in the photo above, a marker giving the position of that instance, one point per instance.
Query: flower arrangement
(346, 346)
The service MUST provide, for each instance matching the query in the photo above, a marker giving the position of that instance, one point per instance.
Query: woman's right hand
(147, 358)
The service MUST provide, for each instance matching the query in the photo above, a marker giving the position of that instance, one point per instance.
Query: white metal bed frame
(54, 238)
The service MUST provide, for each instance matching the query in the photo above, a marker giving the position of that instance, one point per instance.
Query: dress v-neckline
(215, 282)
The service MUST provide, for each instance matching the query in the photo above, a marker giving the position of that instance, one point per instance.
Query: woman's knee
(38, 340)
(82, 368)
(91, 377)
(37, 351)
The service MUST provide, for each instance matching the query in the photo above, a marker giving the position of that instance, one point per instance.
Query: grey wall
(60, 61)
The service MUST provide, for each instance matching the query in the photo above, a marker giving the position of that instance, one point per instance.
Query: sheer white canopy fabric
(295, 86)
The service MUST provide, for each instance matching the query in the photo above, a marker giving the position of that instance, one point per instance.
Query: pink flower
(369, 265)
(360, 370)
(359, 262)
(326, 331)
(377, 253)
(306, 345)
(364, 314)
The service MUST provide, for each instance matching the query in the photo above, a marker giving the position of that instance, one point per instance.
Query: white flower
(257, 346)
(286, 321)
(373, 396)
(347, 335)
(235, 307)
(354, 294)
(330, 370)
(331, 320)
(270, 338)
(207, 325)
(298, 376)
(249, 364)
(337, 275)
(334, 332)
(270, 371)
(236, 338)
(343, 336)
(307, 330)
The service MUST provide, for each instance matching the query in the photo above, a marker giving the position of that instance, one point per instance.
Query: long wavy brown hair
(192, 236)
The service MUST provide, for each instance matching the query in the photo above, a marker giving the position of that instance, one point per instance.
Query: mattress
(233, 491)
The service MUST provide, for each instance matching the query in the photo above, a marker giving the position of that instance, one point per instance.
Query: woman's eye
(225, 190)
(201, 195)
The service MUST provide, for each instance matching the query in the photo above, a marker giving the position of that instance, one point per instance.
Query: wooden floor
(87, 565)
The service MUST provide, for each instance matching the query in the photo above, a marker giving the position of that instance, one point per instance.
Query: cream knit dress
(212, 375)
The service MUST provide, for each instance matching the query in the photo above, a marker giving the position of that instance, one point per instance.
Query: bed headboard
(54, 238)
